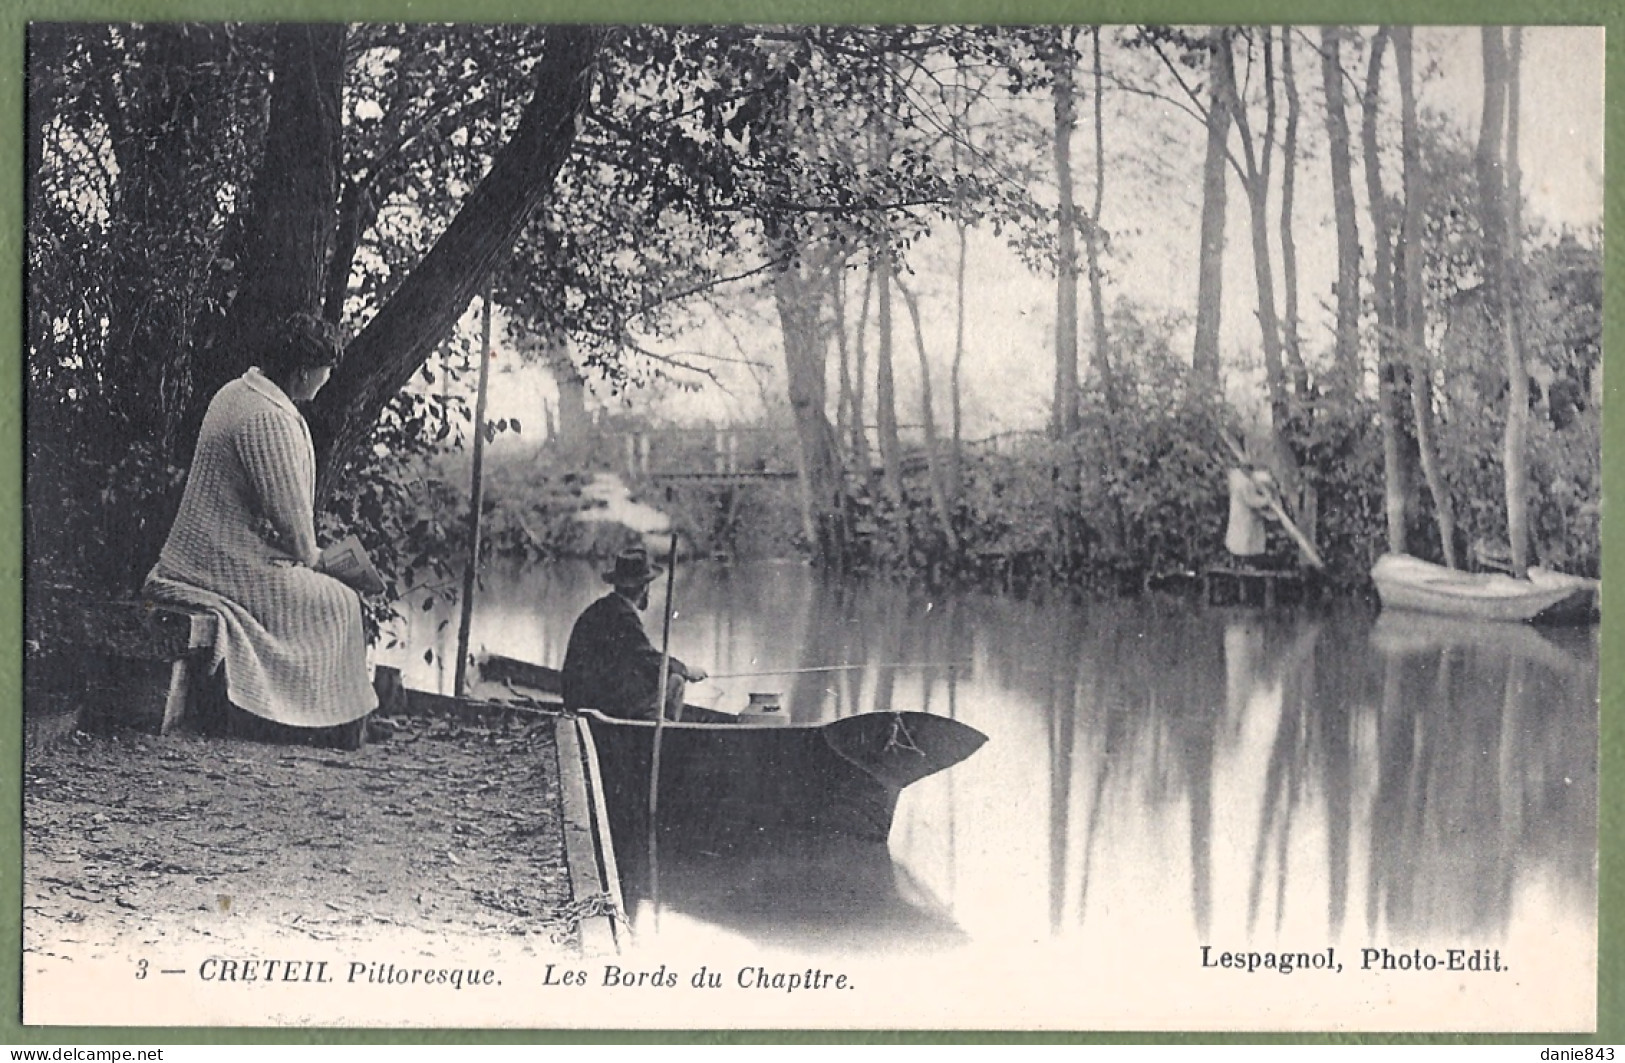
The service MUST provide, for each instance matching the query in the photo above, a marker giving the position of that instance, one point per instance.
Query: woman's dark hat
(632, 569)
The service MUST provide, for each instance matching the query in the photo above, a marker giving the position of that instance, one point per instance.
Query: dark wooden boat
(729, 781)
(731, 786)
(1409, 583)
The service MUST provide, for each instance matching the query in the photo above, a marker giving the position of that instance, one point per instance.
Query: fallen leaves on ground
(186, 836)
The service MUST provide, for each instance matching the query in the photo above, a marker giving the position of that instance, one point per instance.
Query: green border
(14, 15)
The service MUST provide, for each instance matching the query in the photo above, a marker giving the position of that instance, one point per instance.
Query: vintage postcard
(1037, 527)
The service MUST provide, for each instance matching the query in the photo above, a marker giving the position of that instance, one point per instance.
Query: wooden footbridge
(740, 455)
(715, 456)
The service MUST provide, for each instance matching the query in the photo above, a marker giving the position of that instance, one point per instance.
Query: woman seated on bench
(244, 546)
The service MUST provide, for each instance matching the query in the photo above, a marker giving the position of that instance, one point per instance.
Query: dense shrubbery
(1139, 491)
(1560, 307)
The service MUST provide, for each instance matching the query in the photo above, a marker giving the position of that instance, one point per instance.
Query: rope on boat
(906, 743)
(563, 923)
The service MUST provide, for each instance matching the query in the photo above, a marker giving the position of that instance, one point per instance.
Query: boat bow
(901, 748)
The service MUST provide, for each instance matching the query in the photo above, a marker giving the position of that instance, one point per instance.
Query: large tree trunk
(1393, 382)
(426, 306)
(290, 232)
(1064, 412)
(1210, 268)
(1414, 331)
(1498, 183)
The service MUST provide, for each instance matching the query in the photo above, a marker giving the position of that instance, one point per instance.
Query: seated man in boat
(610, 664)
(1251, 491)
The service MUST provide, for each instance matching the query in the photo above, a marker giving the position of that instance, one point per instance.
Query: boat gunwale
(749, 723)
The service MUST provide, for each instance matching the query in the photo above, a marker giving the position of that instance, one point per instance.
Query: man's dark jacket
(610, 664)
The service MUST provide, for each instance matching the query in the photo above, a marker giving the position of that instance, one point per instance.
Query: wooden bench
(143, 662)
(144, 665)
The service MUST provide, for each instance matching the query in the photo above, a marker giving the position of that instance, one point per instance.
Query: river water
(1157, 772)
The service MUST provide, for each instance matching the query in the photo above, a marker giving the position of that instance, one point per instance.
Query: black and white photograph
(788, 526)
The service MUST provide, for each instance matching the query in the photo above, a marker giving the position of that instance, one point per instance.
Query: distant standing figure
(610, 664)
(243, 546)
(1250, 492)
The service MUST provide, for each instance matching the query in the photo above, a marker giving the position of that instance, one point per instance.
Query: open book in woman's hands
(347, 562)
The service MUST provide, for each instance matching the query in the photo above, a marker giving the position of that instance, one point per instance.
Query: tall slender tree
(935, 473)
(1062, 63)
(802, 280)
(1346, 350)
(862, 458)
(1393, 378)
(1093, 236)
(1210, 267)
(1254, 168)
(1410, 306)
(843, 364)
(956, 456)
(891, 447)
(1290, 342)
(1497, 169)
(798, 286)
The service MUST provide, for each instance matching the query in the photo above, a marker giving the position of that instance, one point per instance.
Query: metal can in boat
(764, 708)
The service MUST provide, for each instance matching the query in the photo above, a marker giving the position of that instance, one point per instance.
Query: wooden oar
(1310, 554)
(477, 478)
(660, 727)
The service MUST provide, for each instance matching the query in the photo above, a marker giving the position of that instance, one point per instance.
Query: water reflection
(1154, 767)
(1486, 744)
(811, 895)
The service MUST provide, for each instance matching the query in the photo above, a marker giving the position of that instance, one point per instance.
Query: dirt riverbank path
(446, 837)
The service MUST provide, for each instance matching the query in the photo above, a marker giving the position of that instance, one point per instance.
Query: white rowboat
(1406, 582)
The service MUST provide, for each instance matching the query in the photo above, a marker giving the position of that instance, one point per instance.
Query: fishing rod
(840, 668)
